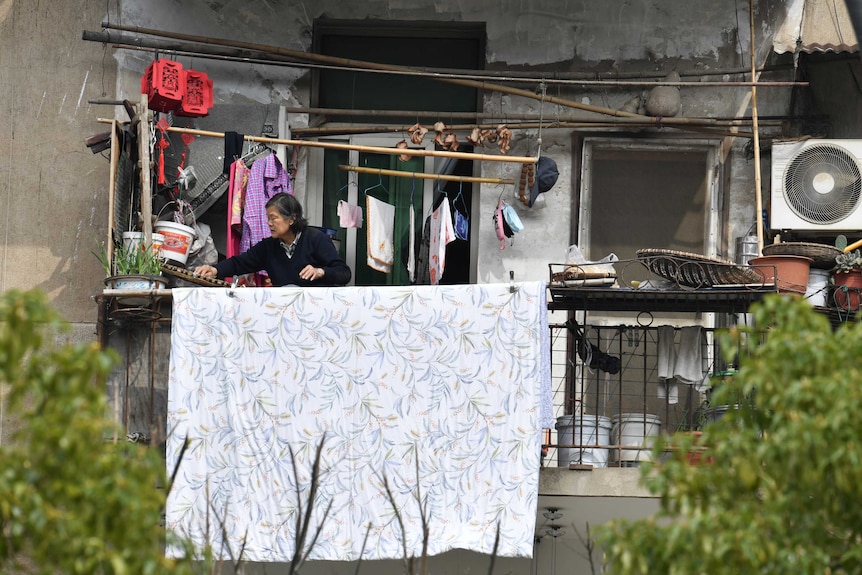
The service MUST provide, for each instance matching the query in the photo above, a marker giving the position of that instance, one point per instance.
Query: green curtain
(396, 191)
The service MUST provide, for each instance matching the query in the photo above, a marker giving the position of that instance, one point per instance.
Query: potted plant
(132, 267)
(847, 280)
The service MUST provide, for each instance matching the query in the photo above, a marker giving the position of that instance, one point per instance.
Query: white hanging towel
(691, 360)
(442, 233)
(666, 364)
(411, 247)
(379, 232)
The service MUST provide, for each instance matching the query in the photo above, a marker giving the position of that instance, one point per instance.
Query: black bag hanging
(590, 353)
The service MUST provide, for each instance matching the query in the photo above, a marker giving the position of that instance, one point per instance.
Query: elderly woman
(295, 254)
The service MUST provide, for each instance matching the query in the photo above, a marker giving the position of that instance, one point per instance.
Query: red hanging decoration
(163, 143)
(164, 84)
(198, 98)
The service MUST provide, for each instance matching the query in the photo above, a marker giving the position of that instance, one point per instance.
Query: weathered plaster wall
(559, 35)
(53, 190)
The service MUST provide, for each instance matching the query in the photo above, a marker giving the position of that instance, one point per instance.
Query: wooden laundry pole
(758, 201)
(366, 149)
(680, 123)
(610, 123)
(423, 175)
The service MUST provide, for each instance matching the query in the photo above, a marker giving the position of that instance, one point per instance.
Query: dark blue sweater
(314, 247)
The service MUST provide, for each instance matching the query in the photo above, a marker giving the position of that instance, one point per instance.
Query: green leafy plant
(71, 500)
(771, 496)
(129, 259)
(847, 262)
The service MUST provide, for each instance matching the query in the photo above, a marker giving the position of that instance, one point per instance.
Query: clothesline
(424, 176)
(358, 148)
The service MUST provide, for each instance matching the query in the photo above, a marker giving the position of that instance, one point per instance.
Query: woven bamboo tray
(823, 255)
(695, 270)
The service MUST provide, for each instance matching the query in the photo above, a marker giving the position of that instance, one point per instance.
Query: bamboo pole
(501, 116)
(758, 196)
(354, 129)
(423, 175)
(254, 56)
(192, 51)
(144, 154)
(358, 148)
(112, 186)
(680, 123)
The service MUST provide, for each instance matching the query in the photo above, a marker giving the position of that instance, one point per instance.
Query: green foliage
(71, 502)
(131, 260)
(779, 491)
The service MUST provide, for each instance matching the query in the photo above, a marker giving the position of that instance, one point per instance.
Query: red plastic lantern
(164, 84)
(198, 97)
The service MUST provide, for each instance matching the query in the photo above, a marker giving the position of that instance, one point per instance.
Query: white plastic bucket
(818, 285)
(178, 240)
(133, 239)
(583, 430)
(635, 432)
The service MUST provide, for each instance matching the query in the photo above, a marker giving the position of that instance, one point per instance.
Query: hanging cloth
(233, 142)
(442, 233)
(236, 199)
(349, 215)
(411, 247)
(266, 178)
(380, 231)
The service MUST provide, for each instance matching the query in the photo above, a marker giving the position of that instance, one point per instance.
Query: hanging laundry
(380, 230)
(462, 219)
(442, 234)
(233, 142)
(423, 270)
(239, 173)
(688, 364)
(411, 247)
(349, 215)
(266, 178)
(692, 359)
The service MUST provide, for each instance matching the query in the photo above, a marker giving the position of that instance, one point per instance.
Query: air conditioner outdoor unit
(817, 185)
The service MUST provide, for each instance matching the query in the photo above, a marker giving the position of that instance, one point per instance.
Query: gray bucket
(746, 248)
(583, 430)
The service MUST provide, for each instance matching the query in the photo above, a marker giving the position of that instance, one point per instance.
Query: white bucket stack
(635, 433)
(131, 239)
(818, 285)
(583, 430)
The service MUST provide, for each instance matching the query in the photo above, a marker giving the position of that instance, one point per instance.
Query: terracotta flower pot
(848, 290)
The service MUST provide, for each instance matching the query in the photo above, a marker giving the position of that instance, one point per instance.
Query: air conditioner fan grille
(823, 184)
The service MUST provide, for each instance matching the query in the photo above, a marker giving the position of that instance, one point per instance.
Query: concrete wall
(53, 191)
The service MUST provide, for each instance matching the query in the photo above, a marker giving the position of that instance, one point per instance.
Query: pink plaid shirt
(267, 178)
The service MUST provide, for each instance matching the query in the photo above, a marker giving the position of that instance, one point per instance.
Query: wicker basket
(695, 270)
(823, 256)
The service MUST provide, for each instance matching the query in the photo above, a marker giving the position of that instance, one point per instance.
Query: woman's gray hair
(289, 207)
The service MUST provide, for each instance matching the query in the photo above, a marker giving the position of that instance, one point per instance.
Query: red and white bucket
(178, 240)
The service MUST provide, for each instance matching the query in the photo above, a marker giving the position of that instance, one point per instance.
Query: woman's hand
(311, 273)
(205, 271)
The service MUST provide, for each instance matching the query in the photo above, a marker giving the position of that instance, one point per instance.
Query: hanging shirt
(236, 200)
(266, 178)
(442, 233)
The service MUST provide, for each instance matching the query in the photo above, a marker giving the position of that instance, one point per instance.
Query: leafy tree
(780, 486)
(71, 502)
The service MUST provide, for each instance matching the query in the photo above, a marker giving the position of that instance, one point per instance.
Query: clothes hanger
(438, 198)
(379, 184)
(466, 211)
